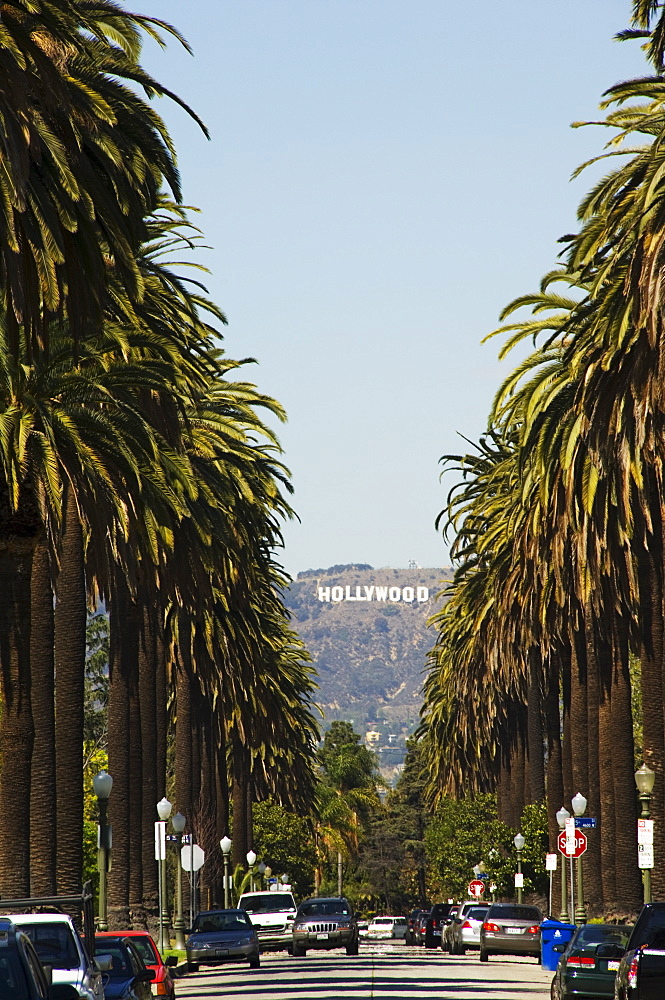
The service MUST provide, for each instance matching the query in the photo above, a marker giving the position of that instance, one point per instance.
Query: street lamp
(644, 779)
(518, 841)
(251, 861)
(163, 811)
(102, 784)
(226, 844)
(579, 807)
(564, 916)
(179, 823)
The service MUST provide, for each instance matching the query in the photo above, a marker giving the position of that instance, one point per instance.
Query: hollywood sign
(394, 594)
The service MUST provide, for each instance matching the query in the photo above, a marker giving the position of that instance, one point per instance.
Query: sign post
(550, 866)
(645, 853)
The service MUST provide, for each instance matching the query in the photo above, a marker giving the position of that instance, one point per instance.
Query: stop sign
(580, 844)
(476, 887)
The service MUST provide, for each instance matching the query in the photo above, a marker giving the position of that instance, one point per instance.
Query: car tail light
(534, 930)
(632, 973)
(492, 928)
(580, 960)
(467, 925)
(162, 990)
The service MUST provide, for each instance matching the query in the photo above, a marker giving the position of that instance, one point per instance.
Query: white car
(387, 927)
(272, 914)
(465, 929)
(58, 944)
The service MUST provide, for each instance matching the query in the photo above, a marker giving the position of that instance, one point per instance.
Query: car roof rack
(82, 903)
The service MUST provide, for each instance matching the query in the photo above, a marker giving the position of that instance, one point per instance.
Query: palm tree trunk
(119, 758)
(629, 880)
(535, 734)
(16, 726)
(148, 714)
(130, 653)
(240, 779)
(161, 720)
(70, 628)
(567, 741)
(183, 739)
(599, 657)
(43, 809)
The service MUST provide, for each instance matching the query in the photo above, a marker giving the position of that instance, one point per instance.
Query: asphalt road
(381, 971)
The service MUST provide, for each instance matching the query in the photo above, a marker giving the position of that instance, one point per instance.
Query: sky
(382, 178)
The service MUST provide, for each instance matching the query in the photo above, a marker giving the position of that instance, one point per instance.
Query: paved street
(387, 971)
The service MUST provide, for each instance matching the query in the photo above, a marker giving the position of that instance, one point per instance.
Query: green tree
(284, 841)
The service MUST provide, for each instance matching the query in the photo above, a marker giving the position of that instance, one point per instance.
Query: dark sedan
(126, 976)
(220, 936)
(590, 961)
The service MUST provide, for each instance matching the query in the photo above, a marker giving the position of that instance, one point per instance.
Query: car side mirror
(171, 961)
(104, 963)
(143, 977)
(560, 948)
(610, 950)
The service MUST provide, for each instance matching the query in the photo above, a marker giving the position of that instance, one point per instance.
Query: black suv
(325, 923)
(439, 916)
(21, 972)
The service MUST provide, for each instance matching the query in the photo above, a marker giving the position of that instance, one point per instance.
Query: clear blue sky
(383, 177)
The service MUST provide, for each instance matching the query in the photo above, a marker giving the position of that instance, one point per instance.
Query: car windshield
(121, 963)
(54, 944)
(145, 949)
(601, 934)
(210, 923)
(327, 909)
(272, 903)
(651, 930)
(13, 984)
(383, 920)
(506, 912)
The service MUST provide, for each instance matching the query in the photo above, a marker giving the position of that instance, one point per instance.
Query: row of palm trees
(136, 470)
(554, 623)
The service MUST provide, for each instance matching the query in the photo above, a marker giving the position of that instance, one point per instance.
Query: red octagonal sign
(476, 887)
(580, 844)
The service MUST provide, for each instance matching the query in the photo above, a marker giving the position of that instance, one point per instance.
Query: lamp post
(179, 823)
(251, 861)
(644, 779)
(564, 915)
(102, 784)
(518, 841)
(163, 811)
(226, 844)
(579, 807)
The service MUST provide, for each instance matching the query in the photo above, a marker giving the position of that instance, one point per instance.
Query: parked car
(59, 946)
(127, 977)
(220, 936)
(431, 927)
(641, 973)
(411, 922)
(162, 982)
(511, 929)
(387, 927)
(272, 914)
(464, 929)
(363, 928)
(325, 923)
(590, 960)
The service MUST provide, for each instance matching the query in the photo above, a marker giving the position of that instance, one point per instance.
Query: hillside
(366, 630)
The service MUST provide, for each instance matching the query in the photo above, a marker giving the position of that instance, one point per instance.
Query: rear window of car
(209, 923)
(507, 912)
(146, 950)
(601, 933)
(477, 912)
(441, 910)
(54, 944)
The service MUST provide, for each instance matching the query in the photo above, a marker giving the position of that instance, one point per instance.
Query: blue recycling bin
(553, 932)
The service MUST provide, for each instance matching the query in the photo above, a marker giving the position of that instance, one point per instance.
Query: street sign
(570, 836)
(550, 862)
(483, 876)
(645, 831)
(645, 856)
(192, 858)
(580, 844)
(585, 823)
(519, 880)
(476, 887)
(160, 840)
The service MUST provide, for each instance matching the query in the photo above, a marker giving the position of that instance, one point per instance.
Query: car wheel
(192, 966)
(254, 962)
(461, 950)
(299, 950)
(484, 957)
(429, 941)
(352, 948)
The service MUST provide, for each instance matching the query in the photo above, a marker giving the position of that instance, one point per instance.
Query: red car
(162, 984)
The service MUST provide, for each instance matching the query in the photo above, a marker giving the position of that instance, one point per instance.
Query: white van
(387, 927)
(272, 913)
(58, 944)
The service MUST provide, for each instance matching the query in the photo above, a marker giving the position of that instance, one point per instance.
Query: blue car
(125, 975)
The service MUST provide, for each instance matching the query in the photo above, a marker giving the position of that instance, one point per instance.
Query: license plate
(513, 930)
(612, 966)
(322, 937)
(222, 952)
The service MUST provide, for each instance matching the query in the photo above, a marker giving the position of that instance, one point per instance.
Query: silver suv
(325, 923)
